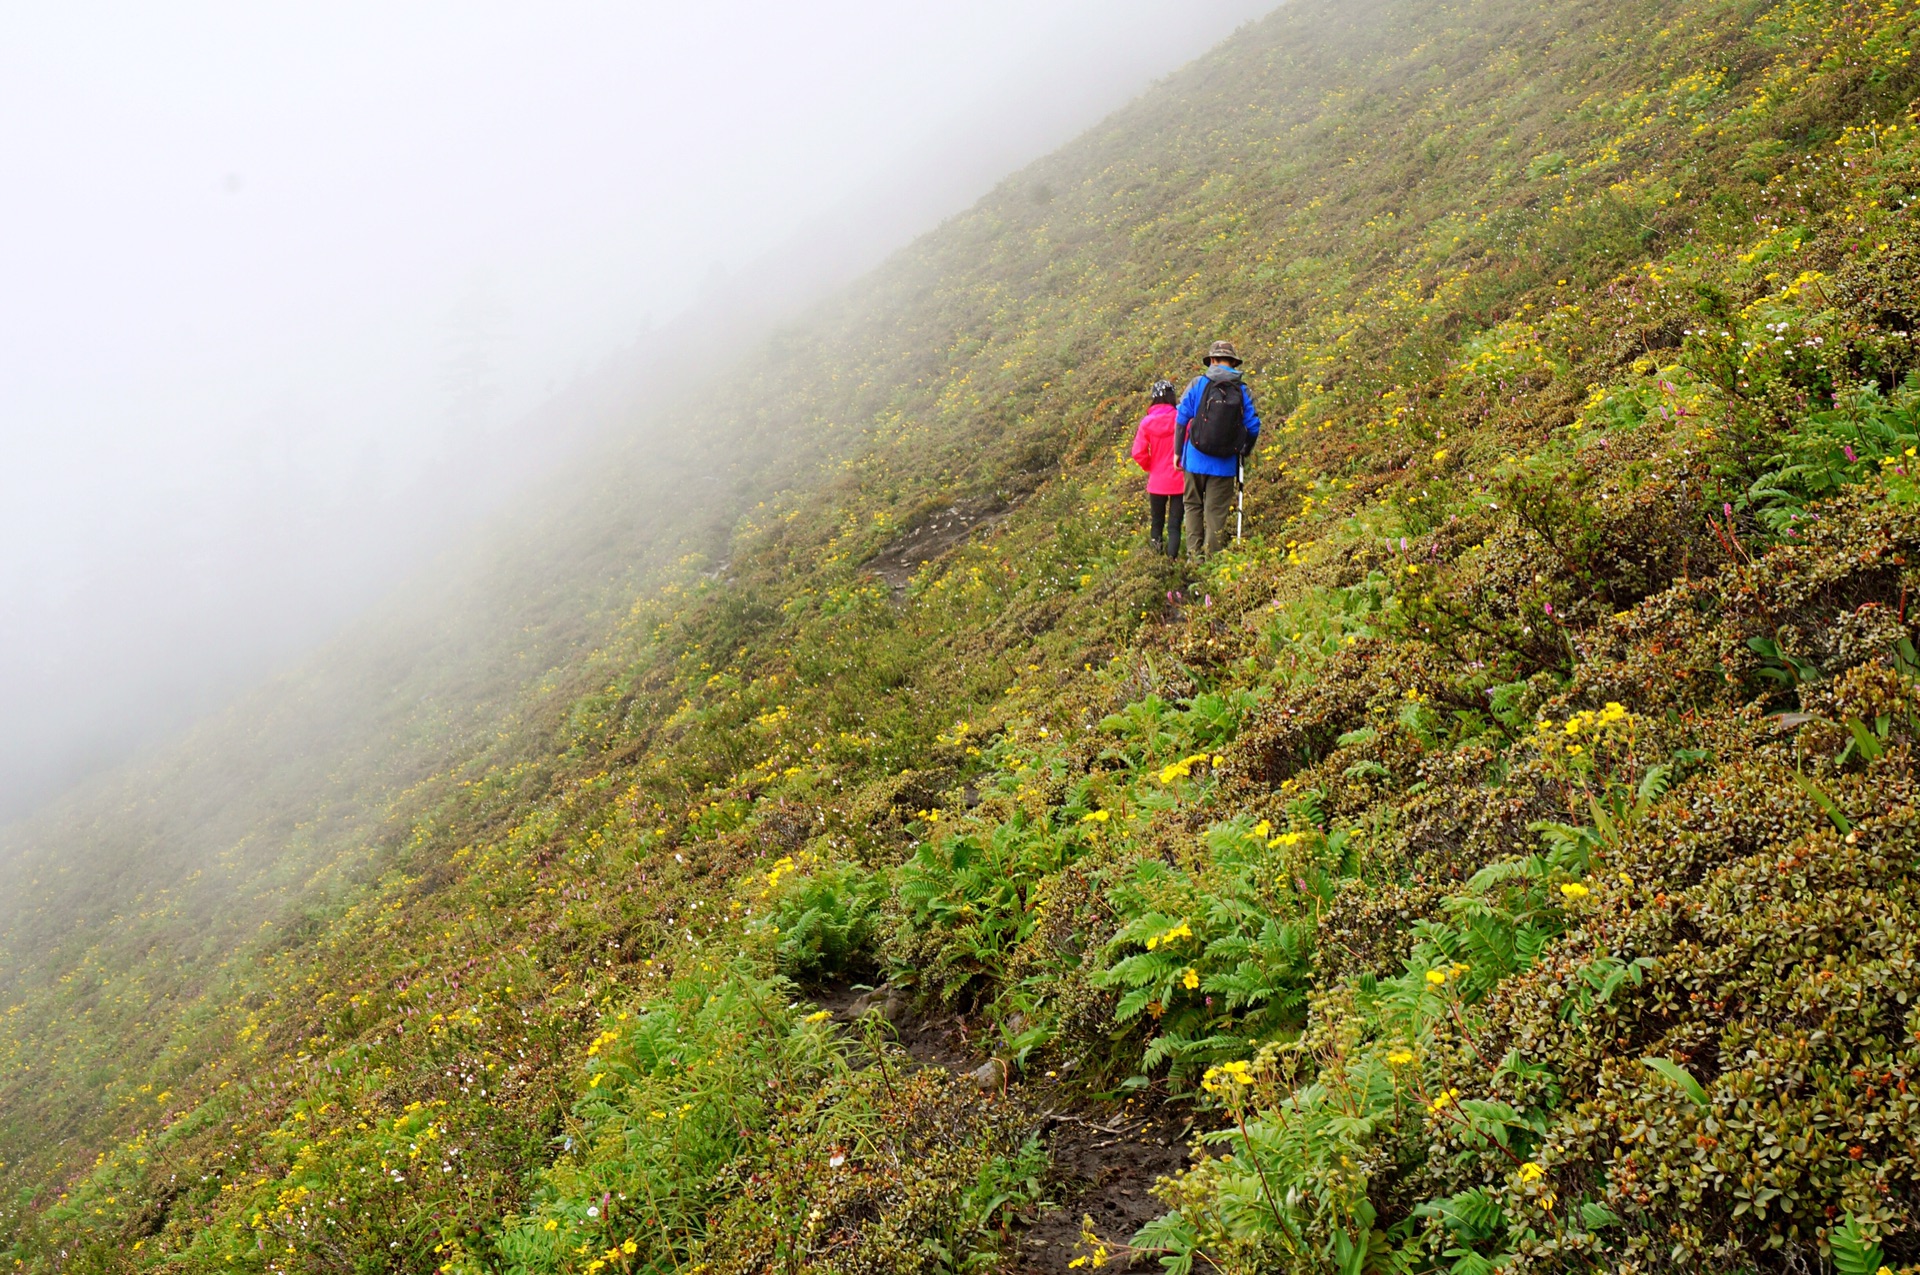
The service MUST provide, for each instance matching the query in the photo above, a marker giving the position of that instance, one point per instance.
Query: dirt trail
(936, 1040)
(1106, 1156)
(899, 561)
(1105, 1162)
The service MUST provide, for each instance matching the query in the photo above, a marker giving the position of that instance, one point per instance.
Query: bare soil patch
(1105, 1156)
(932, 1040)
(931, 538)
(1105, 1162)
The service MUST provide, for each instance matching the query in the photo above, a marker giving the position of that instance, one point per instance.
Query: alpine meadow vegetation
(1504, 857)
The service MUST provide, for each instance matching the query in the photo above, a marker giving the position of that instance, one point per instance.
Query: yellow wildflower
(781, 868)
(1182, 768)
(1225, 1077)
(1180, 931)
(1574, 890)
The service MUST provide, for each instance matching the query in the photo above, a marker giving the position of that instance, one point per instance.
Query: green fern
(1854, 1252)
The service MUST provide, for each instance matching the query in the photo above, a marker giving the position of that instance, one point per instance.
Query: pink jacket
(1153, 449)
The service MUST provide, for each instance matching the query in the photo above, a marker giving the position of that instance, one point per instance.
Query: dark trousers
(1209, 500)
(1167, 512)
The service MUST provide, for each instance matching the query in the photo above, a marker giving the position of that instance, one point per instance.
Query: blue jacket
(1192, 459)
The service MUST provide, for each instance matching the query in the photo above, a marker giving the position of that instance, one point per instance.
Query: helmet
(1162, 392)
(1224, 350)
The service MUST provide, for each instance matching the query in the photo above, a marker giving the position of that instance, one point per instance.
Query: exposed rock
(990, 1075)
(889, 1004)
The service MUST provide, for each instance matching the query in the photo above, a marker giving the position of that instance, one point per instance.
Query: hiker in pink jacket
(1154, 450)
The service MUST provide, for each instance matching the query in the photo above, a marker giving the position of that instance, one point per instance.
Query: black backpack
(1219, 426)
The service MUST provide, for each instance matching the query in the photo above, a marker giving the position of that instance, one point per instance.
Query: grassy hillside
(1504, 858)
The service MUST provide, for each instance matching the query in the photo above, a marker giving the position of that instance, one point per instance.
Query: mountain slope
(1506, 851)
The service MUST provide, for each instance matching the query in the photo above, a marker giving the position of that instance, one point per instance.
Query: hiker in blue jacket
(1215, 428)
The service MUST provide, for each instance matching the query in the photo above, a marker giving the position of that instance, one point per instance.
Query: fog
(282, 288)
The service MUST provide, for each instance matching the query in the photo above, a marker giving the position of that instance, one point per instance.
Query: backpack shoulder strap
(1180, 427)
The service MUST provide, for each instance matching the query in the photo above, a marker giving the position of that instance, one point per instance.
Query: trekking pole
(1239, 495)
